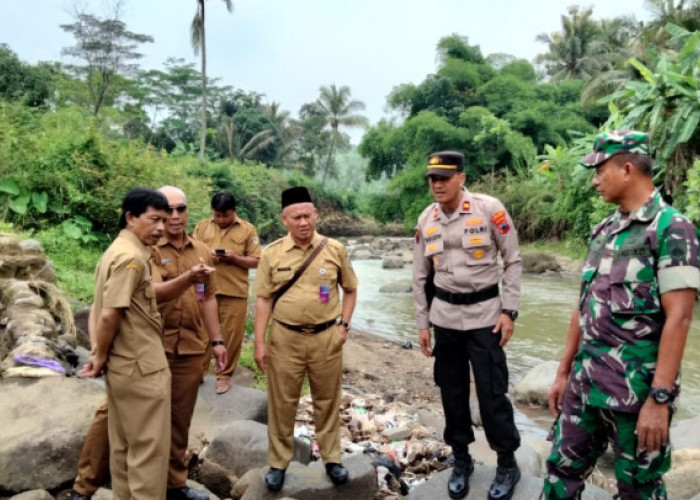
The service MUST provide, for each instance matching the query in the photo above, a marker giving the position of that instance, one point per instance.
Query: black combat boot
(507, 476)
(458, 485)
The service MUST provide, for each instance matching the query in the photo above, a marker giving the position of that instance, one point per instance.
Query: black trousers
(454, 351)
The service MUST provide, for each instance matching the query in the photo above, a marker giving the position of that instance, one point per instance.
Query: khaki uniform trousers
(232, 315)
(186, 374)
(291, 356)
(93, 463)
(139, 433)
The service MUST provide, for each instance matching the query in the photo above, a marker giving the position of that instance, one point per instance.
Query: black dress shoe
(504, 484)
(74, 495)
(458, 484)
(274, 479)
(186, 493)
(337, 473)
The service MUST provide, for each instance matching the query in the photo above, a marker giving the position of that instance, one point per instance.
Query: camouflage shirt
(632, 259)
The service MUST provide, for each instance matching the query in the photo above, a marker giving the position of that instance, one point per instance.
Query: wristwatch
(343, 323)
(661, 395)
(510, 313)
(214, 343)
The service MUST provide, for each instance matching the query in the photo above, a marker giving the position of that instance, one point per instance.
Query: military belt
(308, 329)
(469, 297)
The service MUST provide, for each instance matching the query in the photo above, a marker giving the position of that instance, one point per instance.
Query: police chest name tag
(323, 290)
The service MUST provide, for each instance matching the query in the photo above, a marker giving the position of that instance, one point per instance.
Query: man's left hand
(343, 332)
(505, 325)
(221, 358)
(652, 426)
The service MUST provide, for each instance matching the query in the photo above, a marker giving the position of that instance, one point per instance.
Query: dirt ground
(376, 366)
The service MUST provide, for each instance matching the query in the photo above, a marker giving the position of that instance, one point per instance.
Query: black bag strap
(299, 271)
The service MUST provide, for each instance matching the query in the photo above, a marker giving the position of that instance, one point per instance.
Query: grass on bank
(571, 248)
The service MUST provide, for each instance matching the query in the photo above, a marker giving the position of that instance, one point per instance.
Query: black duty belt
(308, 329)
(468, 297)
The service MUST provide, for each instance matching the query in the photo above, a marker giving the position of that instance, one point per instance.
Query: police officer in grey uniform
(456, 290)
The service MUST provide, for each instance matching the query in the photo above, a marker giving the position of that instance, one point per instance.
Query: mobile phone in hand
(219, 251)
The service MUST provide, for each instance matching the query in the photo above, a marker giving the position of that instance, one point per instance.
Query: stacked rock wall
(37, 332)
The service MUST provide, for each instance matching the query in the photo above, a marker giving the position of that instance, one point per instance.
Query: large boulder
(311, 483)
(362, 252)
(238, 403)
(528, 488)
(534, 387)
(540, 262)
(392, 262)
(33, 495)
(44, 422)
(242, 445)
(402, 286)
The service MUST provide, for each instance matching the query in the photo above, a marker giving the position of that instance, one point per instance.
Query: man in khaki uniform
(125, 326)
(310, 325)
(234, 247)
(179, 323)
(457, 242)
(190, 323)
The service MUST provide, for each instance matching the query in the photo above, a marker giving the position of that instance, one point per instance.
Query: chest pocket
(167, 268)
(326, 273)
(633, 287)
(476, 243)
(237, 244)
(280, 275)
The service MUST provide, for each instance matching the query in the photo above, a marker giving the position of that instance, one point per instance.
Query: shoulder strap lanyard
(299, 271)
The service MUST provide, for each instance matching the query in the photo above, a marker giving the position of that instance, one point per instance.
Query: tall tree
(575, 51)
(339, 110)
(107, 49)
(199, 44)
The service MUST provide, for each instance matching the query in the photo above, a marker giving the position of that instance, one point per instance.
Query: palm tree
(575, 51)
(287, 132)
(199, 44)
(339, 110)
(619, 38)
(684, 13)
(230, 135)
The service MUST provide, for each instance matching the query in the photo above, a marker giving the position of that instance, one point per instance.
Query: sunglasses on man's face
(179, 209)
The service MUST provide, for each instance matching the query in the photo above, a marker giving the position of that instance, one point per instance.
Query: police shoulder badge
(500, 220)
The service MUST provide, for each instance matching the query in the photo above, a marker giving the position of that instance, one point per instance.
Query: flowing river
(545, 309)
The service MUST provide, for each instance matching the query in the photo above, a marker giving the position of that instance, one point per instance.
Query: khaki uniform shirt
(462, 249)
(123, 281)
(183, 326)
(242, 239)
(302, 304)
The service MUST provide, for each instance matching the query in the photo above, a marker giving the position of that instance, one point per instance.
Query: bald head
(172, 191)
(177, 201)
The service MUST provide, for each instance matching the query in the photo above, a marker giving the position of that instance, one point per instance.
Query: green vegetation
(74, 138)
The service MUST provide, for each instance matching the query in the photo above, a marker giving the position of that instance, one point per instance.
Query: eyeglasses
(179, 209)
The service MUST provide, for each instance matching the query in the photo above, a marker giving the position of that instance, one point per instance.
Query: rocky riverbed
(391, 414)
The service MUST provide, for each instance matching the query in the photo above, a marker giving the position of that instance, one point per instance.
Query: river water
(540, 331)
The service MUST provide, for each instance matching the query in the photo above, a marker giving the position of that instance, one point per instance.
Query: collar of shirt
(289, 243)
(132, 238)
(464, 207)
(165, 241)
(645, 213)
(213, 223)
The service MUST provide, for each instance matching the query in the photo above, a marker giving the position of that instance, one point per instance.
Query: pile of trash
(37, 331)
(405, 453)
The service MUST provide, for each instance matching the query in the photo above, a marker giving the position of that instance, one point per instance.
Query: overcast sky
(287, 49)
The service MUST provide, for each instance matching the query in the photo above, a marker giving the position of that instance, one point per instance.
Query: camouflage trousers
(582, 434)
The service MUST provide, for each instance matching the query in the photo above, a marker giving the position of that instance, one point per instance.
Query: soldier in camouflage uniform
(618, 376)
